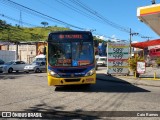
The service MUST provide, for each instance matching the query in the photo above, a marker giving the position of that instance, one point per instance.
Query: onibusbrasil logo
(21, 115)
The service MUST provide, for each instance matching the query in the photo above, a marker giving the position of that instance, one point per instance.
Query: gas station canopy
(150, 15)
(146, 44)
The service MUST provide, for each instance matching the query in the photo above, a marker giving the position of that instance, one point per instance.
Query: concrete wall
(25, 52)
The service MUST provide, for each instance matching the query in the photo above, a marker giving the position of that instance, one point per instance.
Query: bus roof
(63, 36)
(70, 31)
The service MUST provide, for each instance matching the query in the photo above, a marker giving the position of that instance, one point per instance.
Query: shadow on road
(104, 84)
(15, 75)
(12, 76)
(52, 113)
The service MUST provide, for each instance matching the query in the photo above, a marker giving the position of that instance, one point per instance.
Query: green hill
(16, 33)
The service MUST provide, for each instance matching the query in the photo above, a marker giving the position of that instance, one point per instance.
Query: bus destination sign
(69, 36)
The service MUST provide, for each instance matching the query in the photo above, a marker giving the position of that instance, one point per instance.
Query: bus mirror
(95, 43)
(44, 51)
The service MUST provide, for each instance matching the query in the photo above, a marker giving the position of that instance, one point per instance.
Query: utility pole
(131, 34)
(16, 43)
(20, 20)
(8, 30)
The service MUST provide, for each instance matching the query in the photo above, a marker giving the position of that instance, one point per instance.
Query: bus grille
(72, 80)
(68, 76)
(71, 70)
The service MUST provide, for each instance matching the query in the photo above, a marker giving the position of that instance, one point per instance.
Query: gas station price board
(117, 55)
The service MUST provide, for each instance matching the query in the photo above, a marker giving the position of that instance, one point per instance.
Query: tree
(3, 22)
(44, 23)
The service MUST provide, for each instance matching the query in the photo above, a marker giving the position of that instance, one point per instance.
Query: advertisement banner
(141, 67)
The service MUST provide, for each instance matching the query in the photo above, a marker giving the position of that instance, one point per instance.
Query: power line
(95, 13)
(60, 11)
(78, 3)
(108, 22)
(42, 14)
(10, 18)
(13, 19)
(70, 6)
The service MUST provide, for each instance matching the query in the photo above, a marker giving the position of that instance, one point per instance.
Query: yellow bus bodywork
(53, 81)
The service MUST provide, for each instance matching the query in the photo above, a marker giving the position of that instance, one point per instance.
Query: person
(84, 53)
(68, 54)
(52, 59)
(58, 54)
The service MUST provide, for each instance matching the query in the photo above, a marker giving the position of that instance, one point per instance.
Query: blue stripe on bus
(66, 72)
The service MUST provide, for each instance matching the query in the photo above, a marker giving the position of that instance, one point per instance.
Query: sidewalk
(128, 80)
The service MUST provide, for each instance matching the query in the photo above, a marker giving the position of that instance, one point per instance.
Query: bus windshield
(70, 54)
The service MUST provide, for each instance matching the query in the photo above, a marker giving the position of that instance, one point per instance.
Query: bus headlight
(52, 73)
(91, 72)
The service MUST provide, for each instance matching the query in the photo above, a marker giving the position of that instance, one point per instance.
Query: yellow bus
(70, 58)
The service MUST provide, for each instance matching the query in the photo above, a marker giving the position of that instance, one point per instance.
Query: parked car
(36, 66)
(40, 57)
(96, 66)
(11, 66)
(102, 61)
(1, 63)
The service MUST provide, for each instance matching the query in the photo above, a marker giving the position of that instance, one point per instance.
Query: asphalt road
(30, 92)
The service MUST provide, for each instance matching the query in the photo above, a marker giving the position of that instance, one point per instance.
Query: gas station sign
(117, 55)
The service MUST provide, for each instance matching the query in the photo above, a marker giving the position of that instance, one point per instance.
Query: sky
(115, 13)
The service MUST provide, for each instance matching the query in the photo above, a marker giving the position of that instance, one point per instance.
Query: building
(26, 51)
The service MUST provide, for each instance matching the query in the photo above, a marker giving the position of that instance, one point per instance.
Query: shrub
(133, 62)
(158, 61)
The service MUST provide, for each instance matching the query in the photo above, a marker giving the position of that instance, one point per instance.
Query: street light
(131, 34)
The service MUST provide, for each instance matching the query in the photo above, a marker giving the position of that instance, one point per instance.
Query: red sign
(64, 61)
(83, 62)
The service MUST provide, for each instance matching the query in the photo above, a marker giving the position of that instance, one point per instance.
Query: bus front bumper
(53, 81)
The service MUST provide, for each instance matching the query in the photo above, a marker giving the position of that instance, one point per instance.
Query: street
(30, 92)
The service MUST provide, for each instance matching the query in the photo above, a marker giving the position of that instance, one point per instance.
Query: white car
(11, 66)
(102, 61)
(40, 57)
(36, 66)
